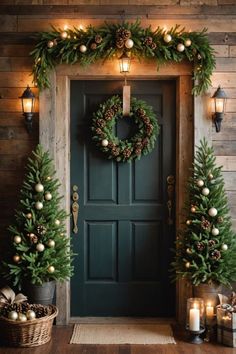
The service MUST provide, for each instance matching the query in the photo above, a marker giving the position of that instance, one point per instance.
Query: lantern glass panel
(195, 314)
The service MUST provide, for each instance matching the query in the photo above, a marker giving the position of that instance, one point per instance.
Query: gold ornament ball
(188, 222)
(51, 243)
(215, 231)
(17, 239)
(51, 269)
(167, 38)
(187, 264)
(129, 43)
(40, 247)
(29, 216)
(200, 183)
(180, 47)
(31, 315)
(50, 44)
(193, 209)
(210, 176)
(39, 187)
(39, 205)
(16, 258)
(105, 142)
(22, 317)
(187, 42)
(57, 222)
(48, 196)
(83, 48)
(12, 315)
(49, 178)
(224, 247)
(188, 251)
(212, 212)
(205, 191)
(64, 35)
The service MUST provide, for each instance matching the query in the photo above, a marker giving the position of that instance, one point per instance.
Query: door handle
(170, 192)
(75, 208)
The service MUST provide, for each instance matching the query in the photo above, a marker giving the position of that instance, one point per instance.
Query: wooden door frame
(54, 134)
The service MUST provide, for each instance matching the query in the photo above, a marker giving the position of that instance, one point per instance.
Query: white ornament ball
(83, 48)
(187, 42)
(105, 142)
(200, 183)
(40, 247)
(22, 317)
(215, 231)
(64, 35)
(39, 187)
(167, 38)
(39, 205)
(51, 243)
(31, 315)
(129, 43)
(51, 269)
(48, 196)
(205, 191)
(224, 247)
(29, 216)
(212, 212)
(187, 264)
(50, 44)
(13, 315)
(57, 222)
(180, 47)
(17, 239)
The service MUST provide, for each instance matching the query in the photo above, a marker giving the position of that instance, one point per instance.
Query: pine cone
(115, 108)
(41, 229)
(145, 142)
(149, 129)
(139, 145)
(220, 219)
(120, 43)
(98, 131)
(216, 255)
(205, 224)
(40, 310)
(146, 120)
(141, 112)
(127, 152)
(101, 123)
(111, 145)
(109, 114)
(93, 46)
(98, 39)
(138, 151)
(147, 41)
(200, 246)
(115, 151)
(153, 46)
(123, 33)
(211, 243)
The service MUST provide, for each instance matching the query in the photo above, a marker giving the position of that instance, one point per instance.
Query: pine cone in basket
(41, 311)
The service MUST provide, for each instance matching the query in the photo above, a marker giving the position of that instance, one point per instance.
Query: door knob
(75, 208)
(170, 192)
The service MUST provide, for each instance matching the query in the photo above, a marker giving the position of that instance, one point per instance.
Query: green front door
(123, 241)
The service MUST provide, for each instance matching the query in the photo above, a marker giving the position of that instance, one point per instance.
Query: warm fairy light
(165, 29)
(65, 27)
(81, 27)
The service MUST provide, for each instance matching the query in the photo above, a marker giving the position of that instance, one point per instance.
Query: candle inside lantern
(209, 310)
(194, 318)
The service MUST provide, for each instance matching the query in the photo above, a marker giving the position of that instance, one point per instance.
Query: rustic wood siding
(19, 20)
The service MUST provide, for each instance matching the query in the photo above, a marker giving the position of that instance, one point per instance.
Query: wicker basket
(27, 334)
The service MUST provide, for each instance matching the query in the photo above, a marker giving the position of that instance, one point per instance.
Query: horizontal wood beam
(117, 10)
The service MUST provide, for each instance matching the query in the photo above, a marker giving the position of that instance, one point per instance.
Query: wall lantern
(219, 106)
(124, 61)
(27, 100)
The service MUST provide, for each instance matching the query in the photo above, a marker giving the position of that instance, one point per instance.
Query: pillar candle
(209, 310)
(194, 319)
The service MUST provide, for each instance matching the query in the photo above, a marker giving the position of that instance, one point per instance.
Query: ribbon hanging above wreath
(141, 143)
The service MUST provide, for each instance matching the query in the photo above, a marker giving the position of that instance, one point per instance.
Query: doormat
(122, 334)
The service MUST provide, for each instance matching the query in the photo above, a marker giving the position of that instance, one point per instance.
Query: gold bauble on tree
(17, 239)
(210, 176)
(51, 269)
(83, 48)
(187, 264)
(16, 258)
(29, 216)
(48, 196)
(40, 247)
(39, 205)
(39, 187)
(64, 35)
(180, 47)
(188, 222)
(200, 183)
(57, 222)
(51, 243)
(187, 42)
(193, 209)
(167, 38)
(50, 44)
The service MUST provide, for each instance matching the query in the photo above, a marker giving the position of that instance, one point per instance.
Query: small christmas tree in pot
(206, 248)
(40, 252)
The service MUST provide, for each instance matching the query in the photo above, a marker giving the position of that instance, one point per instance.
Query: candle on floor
(194, 318)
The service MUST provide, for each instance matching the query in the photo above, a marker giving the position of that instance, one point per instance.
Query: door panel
(123, 243)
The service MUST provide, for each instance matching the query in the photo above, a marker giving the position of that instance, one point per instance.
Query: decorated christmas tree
(39, 249)
(206, 248)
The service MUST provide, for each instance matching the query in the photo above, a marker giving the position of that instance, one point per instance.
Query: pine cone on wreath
(145, 142)
(98, 131)
(211, 243)
(101, 123)
(200, 246)
(115, 108)
(148, 41)
(216, 255)
(127, 152)
(93, 46)
(41, 229)
(120, 43)
(109, 114)
(115, 151)
(98, 39)
(141, 112)
(111, 145)
(138, 151)
(123, 33)
(153, 46)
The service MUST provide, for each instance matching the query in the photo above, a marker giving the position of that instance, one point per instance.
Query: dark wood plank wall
(19, 19)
